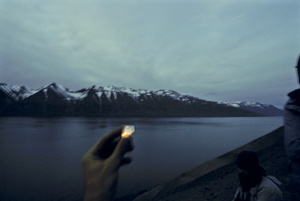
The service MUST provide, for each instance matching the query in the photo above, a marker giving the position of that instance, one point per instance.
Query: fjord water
(41, 157)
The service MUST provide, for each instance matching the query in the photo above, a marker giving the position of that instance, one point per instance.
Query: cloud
(217, 51)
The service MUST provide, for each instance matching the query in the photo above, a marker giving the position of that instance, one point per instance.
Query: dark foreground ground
(217, 179)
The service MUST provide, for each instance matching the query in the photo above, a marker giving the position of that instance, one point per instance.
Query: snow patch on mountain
(243, 103)
(17, 92)
(254, 107)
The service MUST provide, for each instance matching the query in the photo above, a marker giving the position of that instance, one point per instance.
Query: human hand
(101, 165)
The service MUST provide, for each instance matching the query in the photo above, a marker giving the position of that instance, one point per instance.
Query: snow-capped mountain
(266, 109)
(18, 93)
(57, 100)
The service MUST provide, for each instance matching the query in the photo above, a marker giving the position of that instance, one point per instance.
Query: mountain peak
(55, 99)
(53, 84)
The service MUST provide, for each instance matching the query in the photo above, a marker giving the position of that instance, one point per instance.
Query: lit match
(127, 131)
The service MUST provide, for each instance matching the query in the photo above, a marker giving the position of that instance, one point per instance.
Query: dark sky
(215, 50)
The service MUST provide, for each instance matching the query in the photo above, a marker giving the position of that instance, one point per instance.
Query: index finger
(106, 139)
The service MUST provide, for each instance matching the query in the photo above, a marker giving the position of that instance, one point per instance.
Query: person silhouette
(254, 183)
(292, 133)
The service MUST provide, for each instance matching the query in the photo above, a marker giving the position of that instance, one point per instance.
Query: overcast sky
(212, 49)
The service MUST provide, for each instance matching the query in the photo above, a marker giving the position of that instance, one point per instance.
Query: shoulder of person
(268, 184)
(271, 180)
(295, 94)
(294, 101)
(269, 189)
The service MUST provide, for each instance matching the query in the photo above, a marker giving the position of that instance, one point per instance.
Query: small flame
(127, 131)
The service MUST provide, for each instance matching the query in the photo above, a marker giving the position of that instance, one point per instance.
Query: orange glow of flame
(127, 131)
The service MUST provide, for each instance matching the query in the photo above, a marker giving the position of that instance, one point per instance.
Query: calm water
(41, 158)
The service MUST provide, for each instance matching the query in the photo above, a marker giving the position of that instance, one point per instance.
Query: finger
(126, 161)
(124, 146)
(131, 145)
(107, 139)
(106, 150)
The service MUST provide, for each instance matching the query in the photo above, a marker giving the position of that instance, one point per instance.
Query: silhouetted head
(298, 68)
(247, 160)
(250, 172)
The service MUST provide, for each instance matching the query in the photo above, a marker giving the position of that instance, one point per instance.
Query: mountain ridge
(111, 101)
(255, 107)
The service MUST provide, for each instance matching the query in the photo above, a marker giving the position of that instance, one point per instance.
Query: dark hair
(298, 64)
(248, 161)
